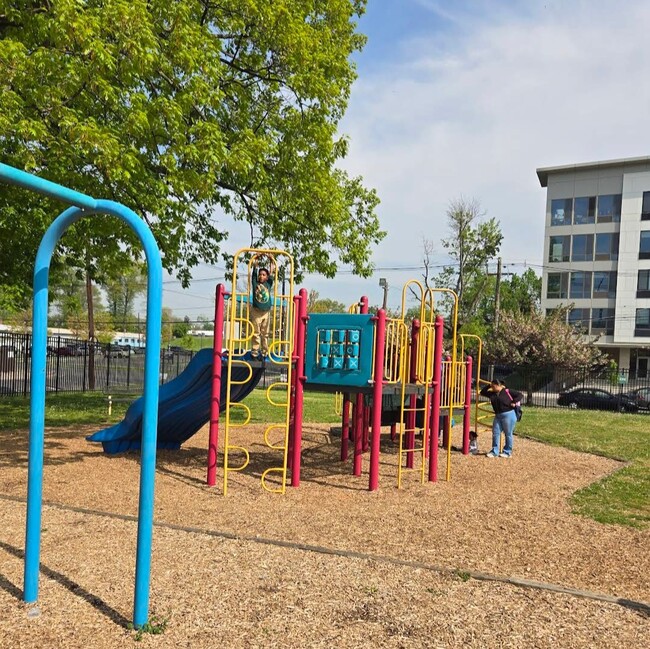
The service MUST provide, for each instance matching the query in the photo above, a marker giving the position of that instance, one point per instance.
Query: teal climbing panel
(338, 349)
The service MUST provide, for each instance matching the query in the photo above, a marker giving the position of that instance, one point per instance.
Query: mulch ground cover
(492, 558)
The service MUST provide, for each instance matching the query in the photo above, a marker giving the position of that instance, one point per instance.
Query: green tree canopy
(121, 294)
(317, 304)
(473, 242)
(521, 293)
(193, 113)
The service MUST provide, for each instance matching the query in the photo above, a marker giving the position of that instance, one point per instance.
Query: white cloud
(496, 91)
(475, 112)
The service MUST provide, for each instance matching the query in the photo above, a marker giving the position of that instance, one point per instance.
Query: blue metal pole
(23, 179)
(37, 399)
(38, 379)
(150, 412)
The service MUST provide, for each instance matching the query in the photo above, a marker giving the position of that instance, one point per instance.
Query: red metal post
(435, 400)
(300, 386)
(467, 406)
(345, 427)
(413, 377)
(294, 378)
(366, 427)
(358, 435)
(359, 411)
(377, 390)
(446, 419)
(215, 397)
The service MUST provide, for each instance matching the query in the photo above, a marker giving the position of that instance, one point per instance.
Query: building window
(561, 211)
(604, 283)
(602, 321)
(642, 324)
(579, 318)
(607, 246)
(644, 245)
(584, 210)
(559, 248)
(583, 247)
(645, 208)
(643, 284)
(609, 208)
(557, 286)
(580, 285)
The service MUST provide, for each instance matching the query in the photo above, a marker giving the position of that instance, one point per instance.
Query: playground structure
(365, 359)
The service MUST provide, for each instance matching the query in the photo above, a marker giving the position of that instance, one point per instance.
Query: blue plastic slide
(184, 406)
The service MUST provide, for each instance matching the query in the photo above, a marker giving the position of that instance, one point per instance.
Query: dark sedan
(640, 396)
(595, 399)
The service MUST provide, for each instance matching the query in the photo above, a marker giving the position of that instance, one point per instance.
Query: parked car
(118, 351)
(596, 399)
(69, 350)
(640, 396)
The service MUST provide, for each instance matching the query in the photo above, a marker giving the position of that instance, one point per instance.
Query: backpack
(519, 413)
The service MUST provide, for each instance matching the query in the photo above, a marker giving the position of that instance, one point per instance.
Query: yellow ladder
(281, 334)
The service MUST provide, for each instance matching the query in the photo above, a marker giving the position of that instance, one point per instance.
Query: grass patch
(61, 410)
(622, 498)
(155, 626)
(318, 408)
(92, 408)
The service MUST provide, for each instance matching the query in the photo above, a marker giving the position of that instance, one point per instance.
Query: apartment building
(597, 254)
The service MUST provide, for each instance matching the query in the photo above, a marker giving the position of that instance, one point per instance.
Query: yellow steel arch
(281, 340)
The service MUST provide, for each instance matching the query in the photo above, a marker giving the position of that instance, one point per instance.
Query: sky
(467, 99)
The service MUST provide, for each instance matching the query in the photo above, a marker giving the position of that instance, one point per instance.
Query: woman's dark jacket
(500, 401)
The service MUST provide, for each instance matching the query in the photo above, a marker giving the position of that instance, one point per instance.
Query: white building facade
(597, 254)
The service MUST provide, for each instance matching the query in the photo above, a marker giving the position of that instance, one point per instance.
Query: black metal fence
(544, 385)
(80, 366)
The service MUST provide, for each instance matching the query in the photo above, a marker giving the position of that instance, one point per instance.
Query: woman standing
(503, 403)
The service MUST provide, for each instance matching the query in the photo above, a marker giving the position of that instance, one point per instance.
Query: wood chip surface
(328, 564)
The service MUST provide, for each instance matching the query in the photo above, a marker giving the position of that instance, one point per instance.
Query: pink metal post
(435, 400)
(377, 390)
(446, 419)
(366, 427)
(467, 406)
(413, 377)
(345, 427)
(300, 385)
(294, 378)
(360, 405)
(358, 435)
(215, 397)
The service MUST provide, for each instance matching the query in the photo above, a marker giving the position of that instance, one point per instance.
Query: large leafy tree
(521, 293)
(121, 294)
(195, 114)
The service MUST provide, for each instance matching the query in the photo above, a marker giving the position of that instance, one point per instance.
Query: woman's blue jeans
(503, 422)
